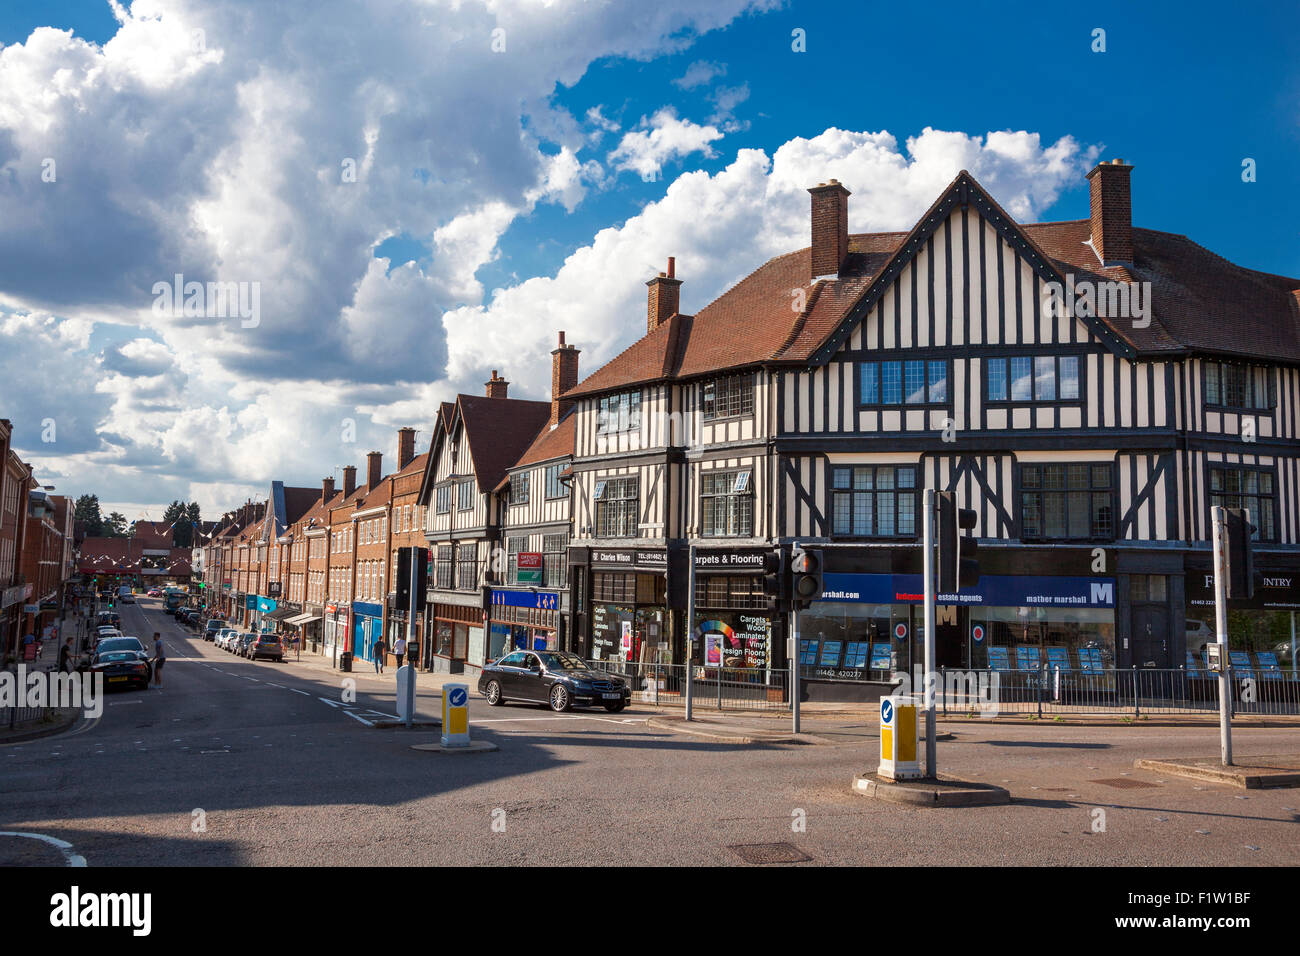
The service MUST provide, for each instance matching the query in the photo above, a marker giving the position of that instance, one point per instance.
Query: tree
(87, 510)
(193, 522)
(174, 515)
(116, 525)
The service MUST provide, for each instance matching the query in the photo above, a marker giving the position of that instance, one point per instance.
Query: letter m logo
(1103, 594)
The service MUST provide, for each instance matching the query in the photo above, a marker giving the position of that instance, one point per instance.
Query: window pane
(914, 372)
(1032, 515)
(884, 513)
(891, 383)
(906, 477)
(885, 478)
(996, 372)
(906, 514)
(1102, 526)
(862, 478)
(1045, 378)
(840, 477)
(862, 514)
(1069, 376)
(1213, 391)
(1031, 476)
(870, 384)
(1101, 476)
(1054, 515)
(843, 508)
(1078, 476)
(1022, 385)
(1080, 514)
(938, 381)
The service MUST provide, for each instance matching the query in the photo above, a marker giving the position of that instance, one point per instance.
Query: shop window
(1248, 387)
(874, 501)
(728, 397)
(730, 591)
(1250, 488)
(1038, 378)
(617, 507)
(910, 382)
(1067, 502)
(726, 504)
(619, 413)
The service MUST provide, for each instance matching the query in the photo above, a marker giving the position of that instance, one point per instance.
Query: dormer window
(619, 413)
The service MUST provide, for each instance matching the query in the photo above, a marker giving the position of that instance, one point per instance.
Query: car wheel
(615, 706)
(493, 694)
(560, 700)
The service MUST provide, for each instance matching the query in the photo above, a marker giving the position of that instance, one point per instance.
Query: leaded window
(874, 501)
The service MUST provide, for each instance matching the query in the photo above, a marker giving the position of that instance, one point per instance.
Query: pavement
(241, 763)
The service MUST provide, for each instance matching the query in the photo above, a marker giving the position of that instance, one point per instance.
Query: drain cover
(770, 853)
(1125, 783)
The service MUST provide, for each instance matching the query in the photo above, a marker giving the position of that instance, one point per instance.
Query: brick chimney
(327, 488)
(496, 386)
(564, 375)
(405, 447)
(1111, 211)
(830, 228)
(349, 480)
(664, 299)
(374, 469)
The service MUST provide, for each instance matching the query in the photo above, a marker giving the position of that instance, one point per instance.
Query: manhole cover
(770, 853)
(1125, 783)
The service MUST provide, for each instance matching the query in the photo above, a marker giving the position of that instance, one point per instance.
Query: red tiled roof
(1201, 301)
(499, 429)
(550, 444)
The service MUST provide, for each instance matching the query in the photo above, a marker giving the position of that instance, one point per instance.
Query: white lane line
(355, 717)
(114, 703)
(64, 847)
(326, 700)
(274, 684)
(608, 720)
(297, 691)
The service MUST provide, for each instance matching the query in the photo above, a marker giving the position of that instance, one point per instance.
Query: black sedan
(122, 669)
(550, 677)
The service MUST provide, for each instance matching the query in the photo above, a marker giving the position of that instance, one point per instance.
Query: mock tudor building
(529, 608)
(1089, 388)
(474, 441)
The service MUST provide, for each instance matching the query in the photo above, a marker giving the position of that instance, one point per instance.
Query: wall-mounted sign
(993, 590)
(529, 564)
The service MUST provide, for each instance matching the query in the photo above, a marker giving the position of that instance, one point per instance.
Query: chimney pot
(405, 446)
(664, 298)
(672, 267)
(564, 376)
(349, 480)
(497, 387)
(374, 469)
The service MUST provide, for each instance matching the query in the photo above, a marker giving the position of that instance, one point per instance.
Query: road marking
(326, 700)
(608, 720)
(355, 717)
(297, 691)
(64, 847)
(114, 703)
(274, 684)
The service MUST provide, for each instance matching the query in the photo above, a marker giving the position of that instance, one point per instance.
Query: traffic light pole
(690, 630)
(927, 550)
(794, 666)
(1218, 517)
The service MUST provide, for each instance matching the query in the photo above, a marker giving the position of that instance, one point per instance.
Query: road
(237, 763)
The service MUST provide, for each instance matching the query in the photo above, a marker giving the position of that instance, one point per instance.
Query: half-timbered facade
(1088, 388)
(474, 441)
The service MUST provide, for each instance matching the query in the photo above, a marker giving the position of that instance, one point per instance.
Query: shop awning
(302, 619)
(279, 614)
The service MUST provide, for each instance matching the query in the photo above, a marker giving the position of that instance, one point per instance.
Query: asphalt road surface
(237, 763)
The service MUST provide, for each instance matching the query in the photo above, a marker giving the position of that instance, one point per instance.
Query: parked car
(214, 625)
(121, 668)
(108, 618)
(549, 677)
(153, 592)
(223, 636)
(243, 643)
(265, 645)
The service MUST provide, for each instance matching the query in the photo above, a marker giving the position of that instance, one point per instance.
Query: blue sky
(208, 165)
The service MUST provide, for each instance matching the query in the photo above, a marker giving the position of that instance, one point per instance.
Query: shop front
(367, 629)
(1261, 632)
(457, 638)
(732, 625)
(523, 620)
(335, 631)
(397, 628)
(629, 617)
(869, 628)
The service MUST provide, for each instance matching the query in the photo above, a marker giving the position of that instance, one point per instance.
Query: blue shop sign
(994, 590)
(536, 600)
(367, 610)
(250, 602)
(266, 605)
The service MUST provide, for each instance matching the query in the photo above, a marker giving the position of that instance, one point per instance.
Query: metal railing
(713, 688)
(1136, 692)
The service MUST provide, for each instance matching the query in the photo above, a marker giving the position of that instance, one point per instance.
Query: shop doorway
(949, 647)
(1151, 638)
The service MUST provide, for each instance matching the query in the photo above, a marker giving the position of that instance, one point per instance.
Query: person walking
(399, 649)
(379, 649)
(65, 656)
(159, 659)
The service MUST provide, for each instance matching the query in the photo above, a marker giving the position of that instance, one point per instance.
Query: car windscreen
(563, 662)
(116, 657)
(119, 644)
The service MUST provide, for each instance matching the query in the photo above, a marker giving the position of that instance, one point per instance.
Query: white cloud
(700, 73)
(661, 138)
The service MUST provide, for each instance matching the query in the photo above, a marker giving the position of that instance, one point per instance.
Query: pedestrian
(65, 656)
(159, 659)
(379, 650)
(29, 646)
(399, 649)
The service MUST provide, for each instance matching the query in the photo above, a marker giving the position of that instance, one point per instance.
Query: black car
(121, 668)
(108, 619)
(555, 678)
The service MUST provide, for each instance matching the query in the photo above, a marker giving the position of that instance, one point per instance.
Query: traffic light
(958, 567)
(1238, 554)
(776, 580)
(403, 581)
(805, 577)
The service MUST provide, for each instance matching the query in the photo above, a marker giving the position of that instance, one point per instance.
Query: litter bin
(345, 661)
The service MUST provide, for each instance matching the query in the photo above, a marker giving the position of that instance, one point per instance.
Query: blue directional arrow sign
(458, 697)
(886, 712)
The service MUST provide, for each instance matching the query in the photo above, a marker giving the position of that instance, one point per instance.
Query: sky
(399, 196)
